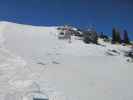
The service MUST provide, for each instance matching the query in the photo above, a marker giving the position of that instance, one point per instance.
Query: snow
(33, 57)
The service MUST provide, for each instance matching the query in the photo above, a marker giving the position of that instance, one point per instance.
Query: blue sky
(104, 14)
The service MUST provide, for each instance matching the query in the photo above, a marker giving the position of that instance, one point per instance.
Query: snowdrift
(63, 70)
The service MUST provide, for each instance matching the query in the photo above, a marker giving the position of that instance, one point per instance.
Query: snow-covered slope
(63, 70)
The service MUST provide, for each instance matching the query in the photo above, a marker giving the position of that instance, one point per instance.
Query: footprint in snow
(48, 54)
(55, 62)
(57, 54)
(41, 63)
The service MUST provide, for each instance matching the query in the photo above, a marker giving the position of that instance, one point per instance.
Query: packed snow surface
(34, 59)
